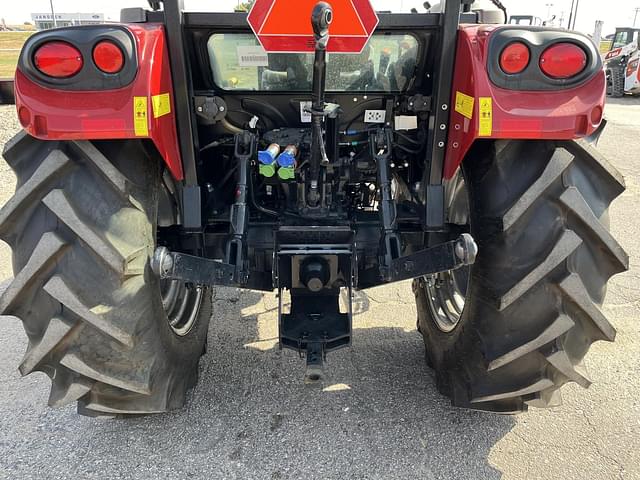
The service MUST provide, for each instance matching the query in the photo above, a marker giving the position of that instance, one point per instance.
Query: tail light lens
(58, 59)
(563, 60)
(515, 58)
(108, 57)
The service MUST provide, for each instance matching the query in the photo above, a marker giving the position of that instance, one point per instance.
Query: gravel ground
(380, 416)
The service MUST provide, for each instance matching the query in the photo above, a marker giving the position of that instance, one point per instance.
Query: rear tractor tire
(508, 332)
(82, 227)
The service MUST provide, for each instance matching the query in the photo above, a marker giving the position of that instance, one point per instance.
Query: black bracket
(419, 103)
(209, 110)
(187, 268)
(441, 258)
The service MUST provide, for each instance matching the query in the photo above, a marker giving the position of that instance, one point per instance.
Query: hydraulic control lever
(321, 18)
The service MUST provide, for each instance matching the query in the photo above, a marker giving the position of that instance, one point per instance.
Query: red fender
(552, 115)
(51, 114)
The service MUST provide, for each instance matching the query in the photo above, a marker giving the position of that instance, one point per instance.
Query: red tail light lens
(515, 58)
(563, 60)
(108, 57)
(58, 59)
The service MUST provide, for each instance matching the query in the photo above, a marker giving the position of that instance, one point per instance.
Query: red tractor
(171, 153)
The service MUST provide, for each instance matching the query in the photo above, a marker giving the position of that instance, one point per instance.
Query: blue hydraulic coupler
(267, 159)
(287, 158)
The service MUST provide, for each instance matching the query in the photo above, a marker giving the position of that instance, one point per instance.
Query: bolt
(445, 107)
(457, 127)
(443, 127)
(162, 262)
(200, 109)
(456, 144)
(221, 108)
(441, 144)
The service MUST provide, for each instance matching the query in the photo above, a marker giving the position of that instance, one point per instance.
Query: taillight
(108, 57)
(563, 60)
(58, 59)
(515, 58)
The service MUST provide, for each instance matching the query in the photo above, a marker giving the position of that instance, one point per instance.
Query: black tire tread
(575, 203)
(560, 325)
(60, 205)
(556, 167)
(617, 82)
(52, 167)
(574, 291)
(566, 245)
(537, 313)
(47, 251)
(82, 287)
(59, 290)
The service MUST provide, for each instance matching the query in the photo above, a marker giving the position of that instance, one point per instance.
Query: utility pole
(53, 14)
(549, 7)
(575, 15)
(635, 17)
(573, 4)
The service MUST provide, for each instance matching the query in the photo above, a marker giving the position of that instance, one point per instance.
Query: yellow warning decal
(464, 105)
(486, 116)
(161, 105)
(140, 110)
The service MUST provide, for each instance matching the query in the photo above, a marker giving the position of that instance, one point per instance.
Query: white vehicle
(623, 63)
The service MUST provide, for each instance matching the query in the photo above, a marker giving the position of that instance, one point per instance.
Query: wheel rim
(181, 302)
(446, 292)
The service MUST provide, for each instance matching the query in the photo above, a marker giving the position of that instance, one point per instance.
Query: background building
(42, 21)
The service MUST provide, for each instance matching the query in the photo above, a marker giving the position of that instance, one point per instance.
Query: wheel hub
(181, 302)
(446, 292)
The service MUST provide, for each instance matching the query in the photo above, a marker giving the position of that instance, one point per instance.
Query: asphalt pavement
(379, 415)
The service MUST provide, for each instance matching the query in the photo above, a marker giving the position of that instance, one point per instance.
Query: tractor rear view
(313, 149)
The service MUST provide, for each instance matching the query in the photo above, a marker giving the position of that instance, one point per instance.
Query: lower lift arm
(437, 259)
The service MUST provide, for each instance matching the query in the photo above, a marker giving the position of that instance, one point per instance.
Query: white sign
(305, 112)
(252, 56)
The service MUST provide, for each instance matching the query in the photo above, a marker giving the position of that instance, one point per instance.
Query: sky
(614, 13)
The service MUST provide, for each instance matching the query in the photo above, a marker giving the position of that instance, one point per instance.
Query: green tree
(245, 6)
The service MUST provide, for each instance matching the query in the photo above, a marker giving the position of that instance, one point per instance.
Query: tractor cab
(624, 37)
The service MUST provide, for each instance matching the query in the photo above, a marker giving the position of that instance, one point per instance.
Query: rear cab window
(386, 64)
